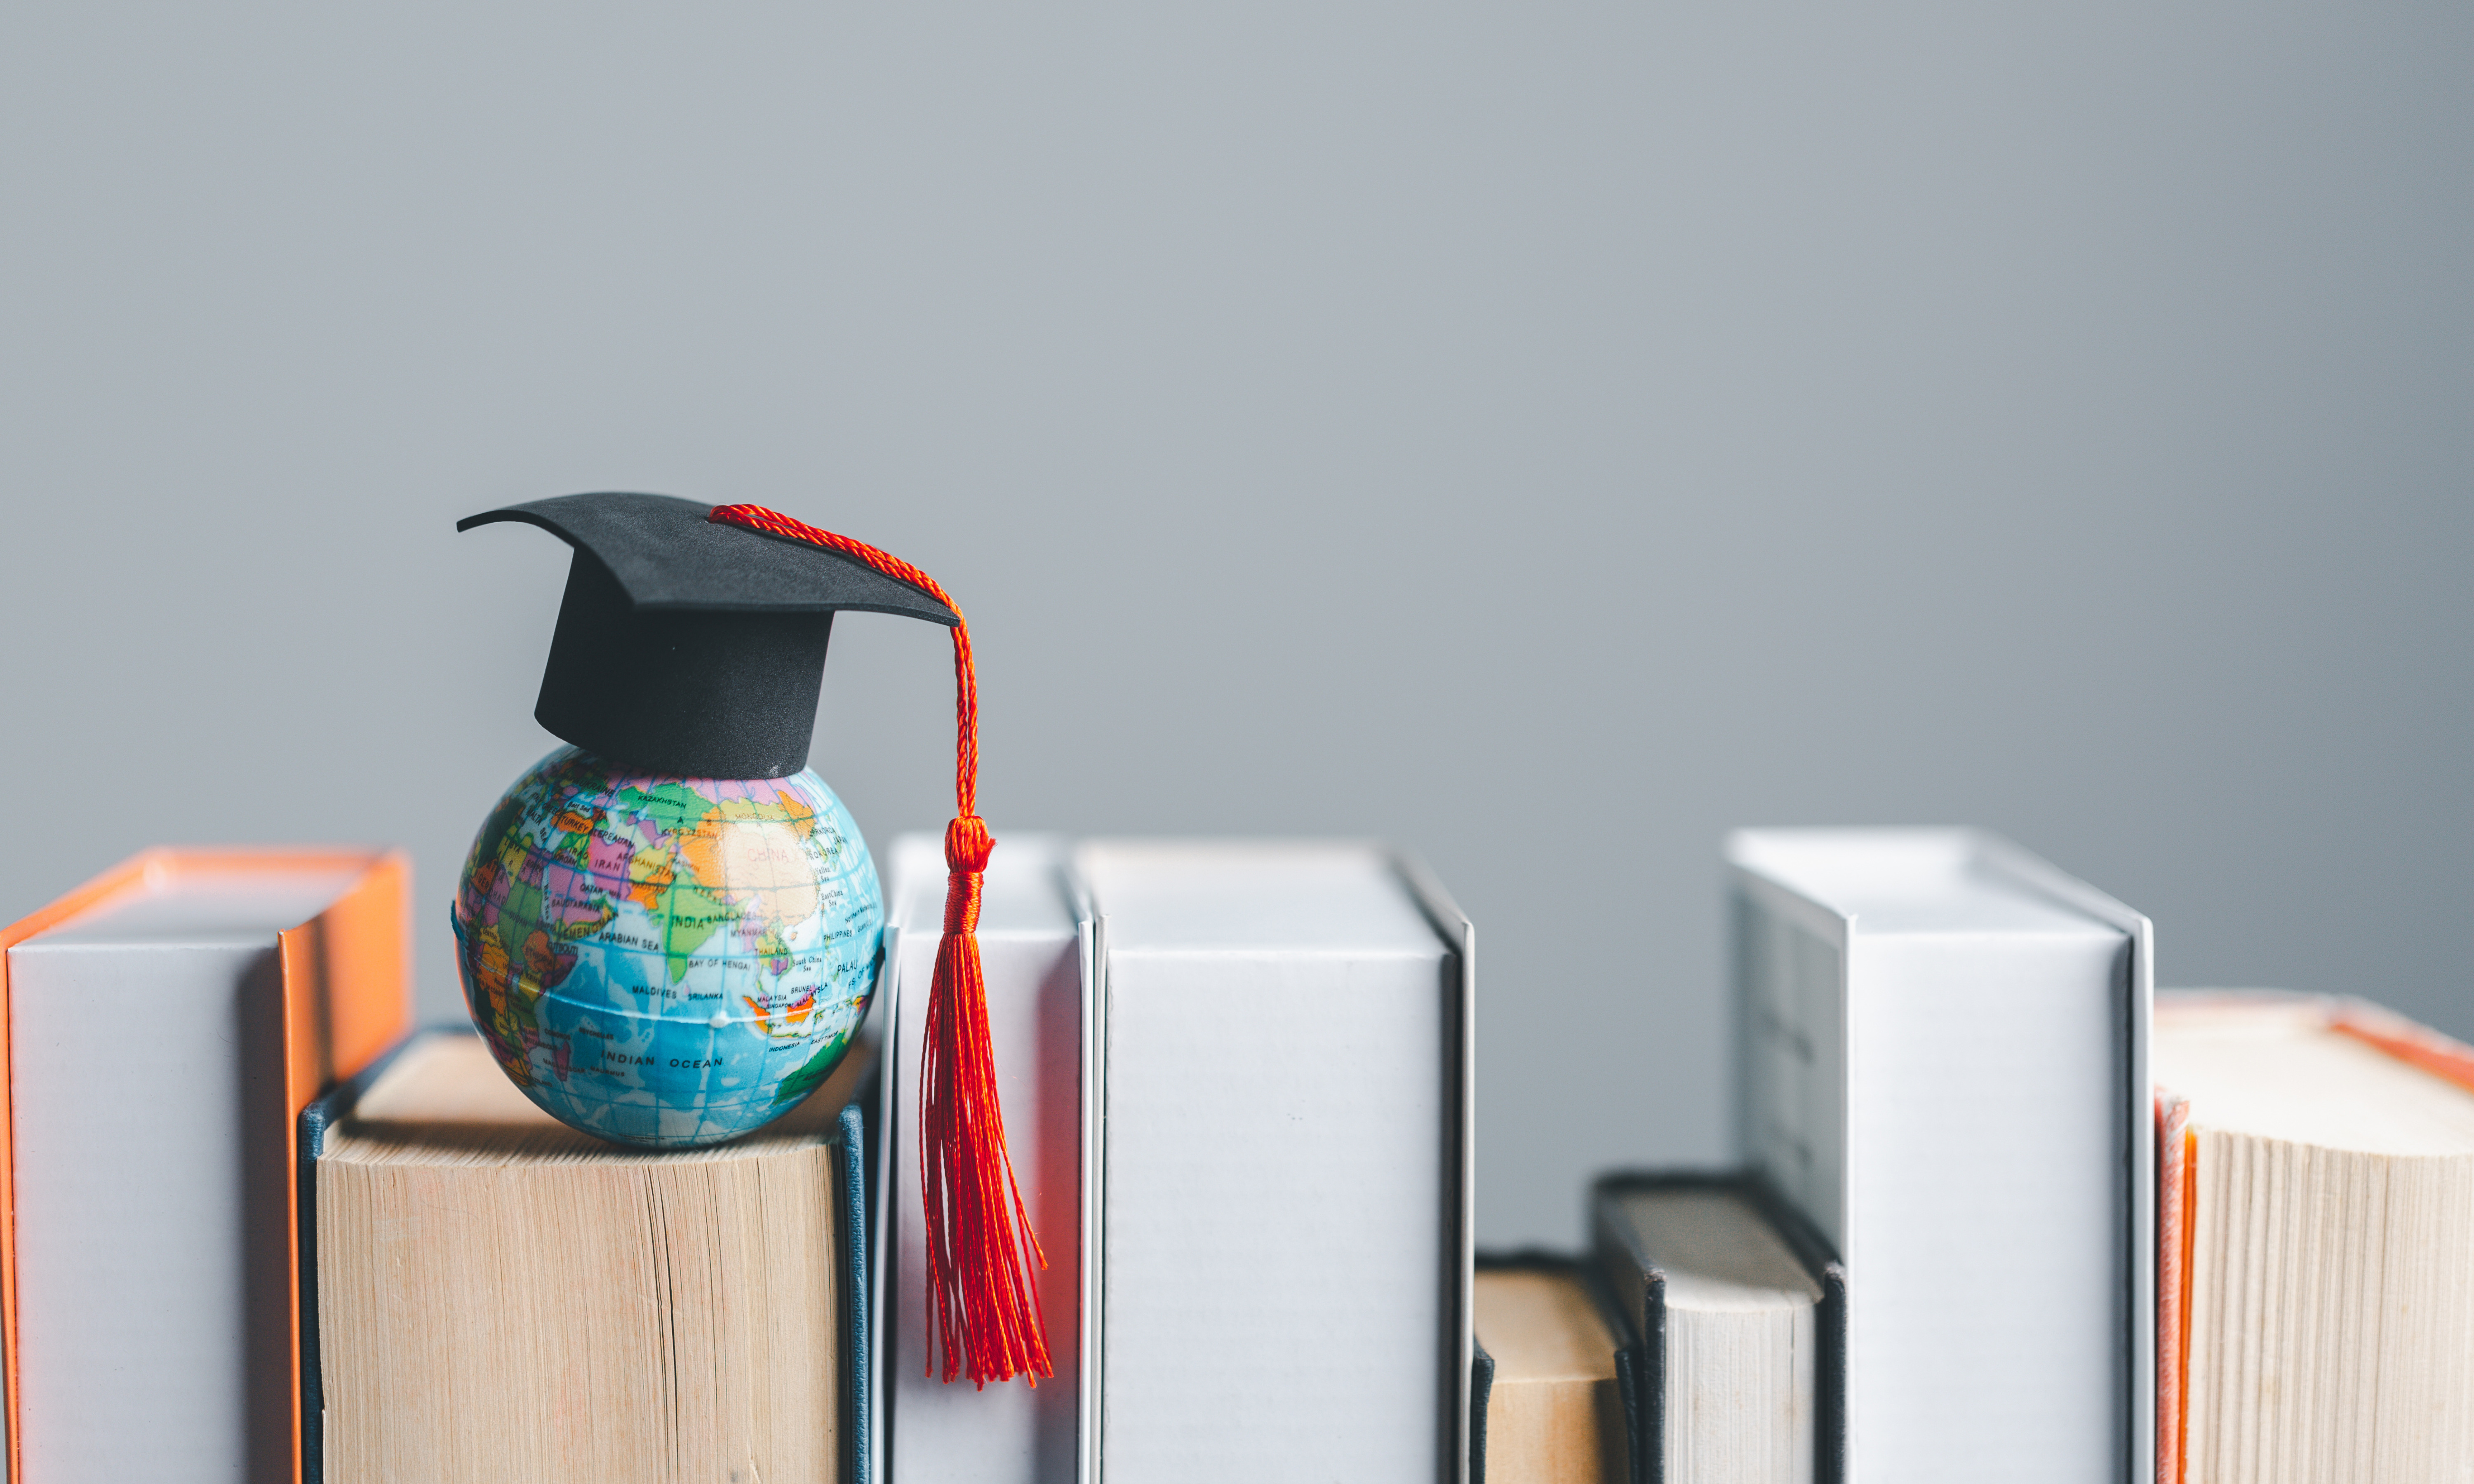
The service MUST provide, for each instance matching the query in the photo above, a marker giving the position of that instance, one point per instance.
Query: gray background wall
(1546, 435)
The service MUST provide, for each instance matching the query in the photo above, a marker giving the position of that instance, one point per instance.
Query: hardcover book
(1033, 949)
(501, 1296)
(1734, 1316)
(1282, 1085)
(1945, 1073)
(2316, 1242)
(166, 1023)
(1549, 1387)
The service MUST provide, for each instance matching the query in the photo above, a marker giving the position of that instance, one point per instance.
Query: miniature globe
(667, 961)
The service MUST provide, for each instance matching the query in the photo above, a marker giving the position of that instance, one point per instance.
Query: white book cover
(152, 1229)
(1945, 1067)
(1033, 949)
(1284, 1082)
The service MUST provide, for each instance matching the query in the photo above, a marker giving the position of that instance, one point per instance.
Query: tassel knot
(968, 843)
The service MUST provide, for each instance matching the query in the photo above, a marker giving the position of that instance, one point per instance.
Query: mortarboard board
(689, 646)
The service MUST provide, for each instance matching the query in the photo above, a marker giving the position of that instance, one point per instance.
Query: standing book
(1734, 1319)
(499, 1296)
(1033, 953)
(2316, 1242)
(1548, 1388)
(1283, 1085)
(1945, 1072)
(166, 1024)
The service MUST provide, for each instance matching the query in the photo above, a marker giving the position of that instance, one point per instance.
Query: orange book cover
(346, 985)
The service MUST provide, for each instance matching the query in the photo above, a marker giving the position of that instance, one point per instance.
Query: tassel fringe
(977, 1226)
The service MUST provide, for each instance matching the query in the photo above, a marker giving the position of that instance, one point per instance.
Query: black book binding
(1640, 1361)
(1536, 1259)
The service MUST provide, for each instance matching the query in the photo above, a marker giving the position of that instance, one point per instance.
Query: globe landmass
(667, 961)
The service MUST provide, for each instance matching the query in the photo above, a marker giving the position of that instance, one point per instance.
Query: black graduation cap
(689, 647)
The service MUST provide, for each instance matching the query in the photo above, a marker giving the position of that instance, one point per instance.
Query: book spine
(858, 1409)
(1481, 1388)
(1649, 1431)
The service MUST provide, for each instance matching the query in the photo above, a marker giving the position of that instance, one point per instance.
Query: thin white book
(1945, 1070)
(1284, 1183)
(1032, 950)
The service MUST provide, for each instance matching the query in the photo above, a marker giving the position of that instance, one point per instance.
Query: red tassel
(983, 1304)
